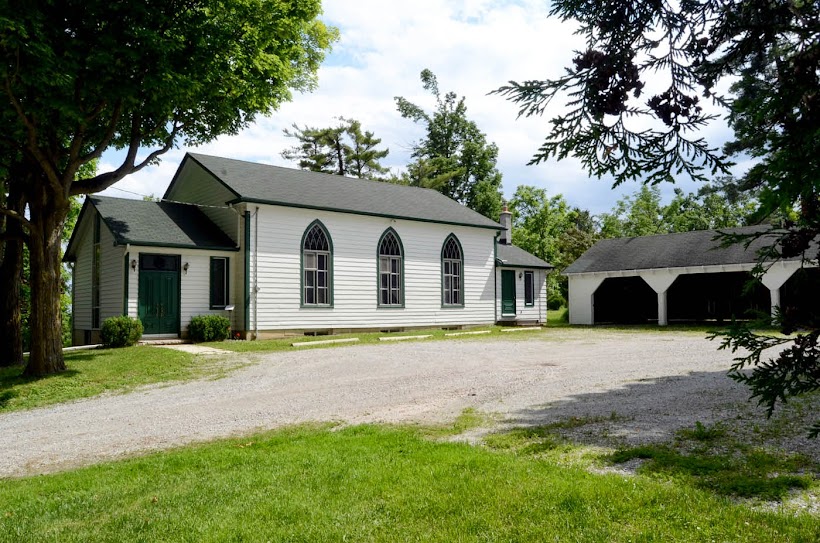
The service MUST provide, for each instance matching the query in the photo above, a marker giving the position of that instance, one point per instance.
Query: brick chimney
(506, 222)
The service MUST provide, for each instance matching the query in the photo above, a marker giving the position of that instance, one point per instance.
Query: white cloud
(473, 46)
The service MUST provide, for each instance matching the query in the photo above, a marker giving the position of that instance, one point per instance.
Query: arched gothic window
(391, 270)
(317, 266)
(452, 267)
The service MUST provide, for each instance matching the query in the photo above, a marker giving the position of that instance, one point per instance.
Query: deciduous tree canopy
(83, 76)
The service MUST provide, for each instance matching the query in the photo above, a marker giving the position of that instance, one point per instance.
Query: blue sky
(473, 47)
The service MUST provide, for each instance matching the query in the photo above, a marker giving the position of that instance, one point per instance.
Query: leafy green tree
(640, 214)
(453, 157)
(644, 214)
(767, 54)
(548, 228)
(343, 150)
(80, 77)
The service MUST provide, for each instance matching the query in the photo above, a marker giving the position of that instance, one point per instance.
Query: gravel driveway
(654, 383)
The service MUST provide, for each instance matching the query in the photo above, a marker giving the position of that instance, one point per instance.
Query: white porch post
(660, 281)
(663, 319)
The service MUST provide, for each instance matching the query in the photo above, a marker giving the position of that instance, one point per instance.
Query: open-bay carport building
(685, 277)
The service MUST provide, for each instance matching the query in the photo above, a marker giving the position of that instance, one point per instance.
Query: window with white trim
(219, 282)
(316, 270)
(391, 270)
(529, 288)
(452, 265)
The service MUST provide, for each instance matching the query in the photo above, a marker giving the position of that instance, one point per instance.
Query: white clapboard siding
(81, 303)
(196, 185)
(536, 312)
(355, 239)
(194, 285)
(111, 275)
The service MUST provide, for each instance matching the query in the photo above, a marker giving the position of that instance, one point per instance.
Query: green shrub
(556, 301)
(121, 331)
(209, 328)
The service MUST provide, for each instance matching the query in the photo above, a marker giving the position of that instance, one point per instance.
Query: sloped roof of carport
(158, 224)
(685, 249)
(263, 183)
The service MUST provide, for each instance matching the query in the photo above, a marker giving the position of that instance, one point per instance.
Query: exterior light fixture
(134, 265)
(185, 268)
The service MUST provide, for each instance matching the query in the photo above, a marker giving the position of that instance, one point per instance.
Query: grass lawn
(92, 372)
(370, 483)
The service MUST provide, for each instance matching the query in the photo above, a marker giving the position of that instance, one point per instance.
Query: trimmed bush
(121, 331)
(209, 328)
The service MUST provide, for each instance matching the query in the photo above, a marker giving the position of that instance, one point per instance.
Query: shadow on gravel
(699, 428)
(656, 410)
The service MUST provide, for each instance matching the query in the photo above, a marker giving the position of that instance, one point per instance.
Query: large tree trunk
(11, 332)
(48, 212)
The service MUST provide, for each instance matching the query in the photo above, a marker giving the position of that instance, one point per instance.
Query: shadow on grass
(12, 377)
(699, 428)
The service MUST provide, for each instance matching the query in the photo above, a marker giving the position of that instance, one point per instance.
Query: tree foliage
(454, 156)
(344, 149)
(550, 229)
(683, 54)
(644, 214)
(83, 76)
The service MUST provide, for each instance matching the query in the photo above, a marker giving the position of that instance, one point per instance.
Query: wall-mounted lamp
(520, 275)
(185, 268)
(133, 265)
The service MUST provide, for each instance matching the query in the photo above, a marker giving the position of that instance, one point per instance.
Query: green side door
(507, 292)
(159, 294)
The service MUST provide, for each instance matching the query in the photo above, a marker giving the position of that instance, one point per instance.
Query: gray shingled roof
(253, 182)
(698, 248)
(165, 224)
(515, 257)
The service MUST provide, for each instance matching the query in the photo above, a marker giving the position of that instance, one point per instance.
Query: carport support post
(775, 277)
(660, 281)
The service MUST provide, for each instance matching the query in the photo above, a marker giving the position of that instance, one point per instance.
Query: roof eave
(139, 243)
(241, 200)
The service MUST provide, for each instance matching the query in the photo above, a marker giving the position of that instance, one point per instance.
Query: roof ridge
(337, 177)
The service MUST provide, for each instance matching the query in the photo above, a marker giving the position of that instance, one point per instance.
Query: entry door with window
(507, 292)
(159, 293)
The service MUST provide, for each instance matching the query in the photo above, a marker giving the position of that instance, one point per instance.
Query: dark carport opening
(800, 296)
(709, 297)
(625, 300)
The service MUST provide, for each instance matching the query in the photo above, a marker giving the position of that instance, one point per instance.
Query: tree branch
(128, 166)
(110, 130)
(16, 216)
(49, 169)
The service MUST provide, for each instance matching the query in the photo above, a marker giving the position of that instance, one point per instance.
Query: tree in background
(80, 77)
(644, 214)
(453, 157)
(637, 215)
(769, 54)
(343, 150)
(548, 228)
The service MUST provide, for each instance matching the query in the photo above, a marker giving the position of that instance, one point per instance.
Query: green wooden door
(507, 292)
(159, 297)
